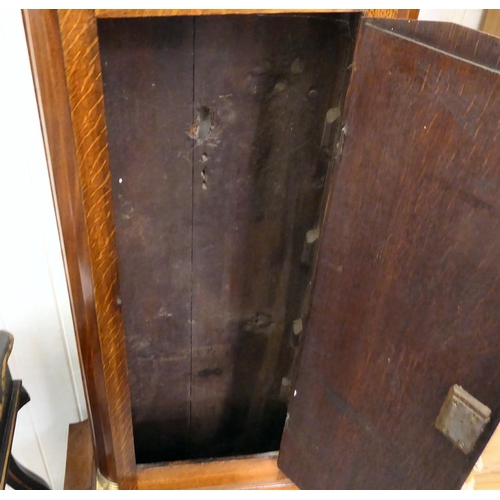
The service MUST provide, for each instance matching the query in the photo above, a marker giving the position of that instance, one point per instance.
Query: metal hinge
(462, 418)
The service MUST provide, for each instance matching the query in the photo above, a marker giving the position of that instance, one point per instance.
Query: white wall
(34, 302)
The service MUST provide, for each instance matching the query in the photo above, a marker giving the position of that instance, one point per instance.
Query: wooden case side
(47, 64)
(66, 68)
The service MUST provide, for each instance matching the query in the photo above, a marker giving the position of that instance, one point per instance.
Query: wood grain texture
(80, 464)
(406, 297)
(148, 91)
(393, 13)
(252, 472)
(42, 29)
(492, 22)
(83, 74)
(454, 40)
(258, 184)
(120, 13)
(102, 357)
(235, 205)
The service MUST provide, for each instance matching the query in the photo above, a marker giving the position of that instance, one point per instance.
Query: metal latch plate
(462, 418)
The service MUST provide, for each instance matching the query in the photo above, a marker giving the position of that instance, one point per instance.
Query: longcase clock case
(281, 232)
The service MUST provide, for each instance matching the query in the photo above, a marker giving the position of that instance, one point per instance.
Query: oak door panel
(406, 301)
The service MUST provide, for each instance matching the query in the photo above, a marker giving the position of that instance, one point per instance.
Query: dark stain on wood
(88, 243)
(405, 302)
(219, 149)
(147, 72)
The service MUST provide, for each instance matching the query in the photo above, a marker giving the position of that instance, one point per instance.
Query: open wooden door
(406, 301)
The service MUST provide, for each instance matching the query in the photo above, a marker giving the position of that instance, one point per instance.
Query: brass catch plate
(462, 418)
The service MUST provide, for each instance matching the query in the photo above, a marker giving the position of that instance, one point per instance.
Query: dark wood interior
(221, 133)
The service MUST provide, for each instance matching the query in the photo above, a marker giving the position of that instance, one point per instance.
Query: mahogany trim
(119, 13)
(42, 31)
(87, 241)
(248, 472)
(394, 13)
(80, 46)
